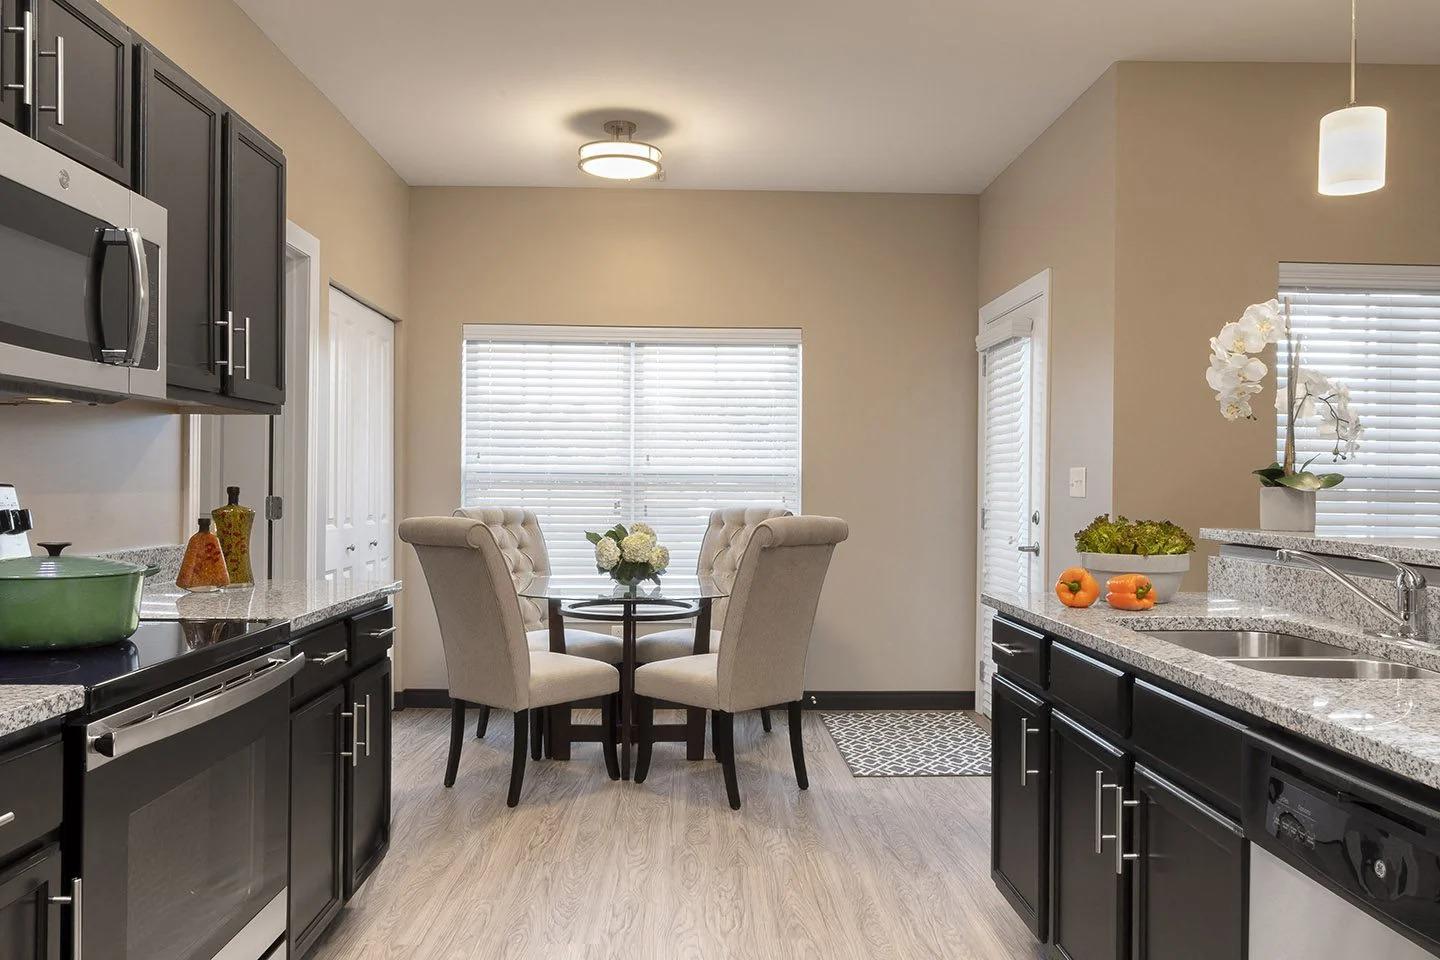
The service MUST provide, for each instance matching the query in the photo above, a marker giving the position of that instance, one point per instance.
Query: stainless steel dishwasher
(1342, 867)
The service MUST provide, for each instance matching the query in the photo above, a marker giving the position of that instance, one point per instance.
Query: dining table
(600, 599)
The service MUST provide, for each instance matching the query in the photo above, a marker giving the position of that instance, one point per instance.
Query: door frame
(1022, 311)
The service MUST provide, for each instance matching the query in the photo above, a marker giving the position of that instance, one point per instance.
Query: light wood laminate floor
(588, 868)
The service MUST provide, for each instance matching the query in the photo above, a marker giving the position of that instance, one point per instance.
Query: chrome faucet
(1408, 614)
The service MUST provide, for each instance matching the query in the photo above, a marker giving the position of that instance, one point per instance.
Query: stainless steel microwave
(82, 280)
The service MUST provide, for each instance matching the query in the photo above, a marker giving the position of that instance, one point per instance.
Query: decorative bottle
(232, 525)
(203, 568)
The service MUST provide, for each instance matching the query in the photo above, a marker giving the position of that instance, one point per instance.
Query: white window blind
(1376, 330)
(590, 427)
(1006, 473)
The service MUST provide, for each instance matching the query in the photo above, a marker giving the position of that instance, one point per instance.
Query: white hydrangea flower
(607, 554)
(660, 558)
(637, 546)
(642, 528)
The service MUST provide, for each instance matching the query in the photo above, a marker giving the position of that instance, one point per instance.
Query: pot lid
(65, 568)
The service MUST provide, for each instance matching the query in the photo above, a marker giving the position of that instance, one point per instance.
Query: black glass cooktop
(161, 654)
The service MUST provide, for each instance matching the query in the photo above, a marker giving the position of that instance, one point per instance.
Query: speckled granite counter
(303, 602)
(1423, 551)
(25, 706)
(1393, 724)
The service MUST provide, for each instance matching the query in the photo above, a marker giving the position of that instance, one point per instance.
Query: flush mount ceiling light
(620, 157)
(1352, 142)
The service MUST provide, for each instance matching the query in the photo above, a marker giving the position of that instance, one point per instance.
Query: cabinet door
(83, 85)
(318, 733)
(367, 777)
(180, 165)
(12, 65)
(1089, 911)
(1019, 793)
(1189, 883)
(29, 922)
(254, 263)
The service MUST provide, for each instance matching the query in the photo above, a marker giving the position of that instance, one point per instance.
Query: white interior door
(1012, 492)
(359, 474)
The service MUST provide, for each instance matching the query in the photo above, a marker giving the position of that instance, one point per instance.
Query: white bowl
(1165, 571)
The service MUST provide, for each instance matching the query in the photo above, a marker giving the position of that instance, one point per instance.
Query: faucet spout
(1408, 613)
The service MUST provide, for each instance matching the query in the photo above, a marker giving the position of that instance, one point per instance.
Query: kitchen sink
(1336, 668)
(1248, 644)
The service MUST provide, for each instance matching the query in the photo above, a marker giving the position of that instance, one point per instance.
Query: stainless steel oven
(82, 279)
(183, 810)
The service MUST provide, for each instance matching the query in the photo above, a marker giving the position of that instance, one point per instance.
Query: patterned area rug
(910, 743)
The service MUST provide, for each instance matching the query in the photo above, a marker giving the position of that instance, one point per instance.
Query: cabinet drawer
(1090, 687)
(1019, 651)
(323, 669)
(30, 794)
(371, 634)
(1203, 748)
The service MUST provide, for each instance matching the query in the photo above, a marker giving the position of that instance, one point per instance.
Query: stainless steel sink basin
(1248, 644)
(1335, 668)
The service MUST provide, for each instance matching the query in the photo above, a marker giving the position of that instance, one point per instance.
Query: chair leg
(725, 723)
(457, 735)
(483, 723)
(608, 707)
(645, 719)
(765, 718)
(797, 745)
(715, 736)
(517, 765)
(537, 732)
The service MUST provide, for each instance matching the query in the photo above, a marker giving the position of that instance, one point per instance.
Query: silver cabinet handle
(247, 348)
(367, 723)
(1120, 855)
(27, 58)
(381, 634)
(7, 818)
(59, 54)
(233, 365)
(227, 364)
(1006, 648)
(1100, 835)
(75, 903)
(330, 657)
(1025, 734)
(354, 752)
(141, 267)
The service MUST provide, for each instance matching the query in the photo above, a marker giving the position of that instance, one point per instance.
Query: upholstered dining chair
(767, 635)
(724, 543)
(487, 657)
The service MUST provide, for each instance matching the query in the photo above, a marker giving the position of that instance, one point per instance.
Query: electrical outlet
(1077, 482)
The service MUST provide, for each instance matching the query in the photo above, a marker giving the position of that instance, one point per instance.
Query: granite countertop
(303, 602)
(1393, 724)
(24, 706)
(1423, 551)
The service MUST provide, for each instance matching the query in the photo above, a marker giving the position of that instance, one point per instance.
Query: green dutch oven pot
(54, 602)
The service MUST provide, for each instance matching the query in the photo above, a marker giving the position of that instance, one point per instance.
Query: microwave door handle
(117, 743)
(141, 278)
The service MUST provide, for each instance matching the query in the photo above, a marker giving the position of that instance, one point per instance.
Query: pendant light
(1352, 142)
(620, 157)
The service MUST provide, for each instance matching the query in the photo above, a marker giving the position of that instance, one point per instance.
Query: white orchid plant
(630, 556)
(1235, 374)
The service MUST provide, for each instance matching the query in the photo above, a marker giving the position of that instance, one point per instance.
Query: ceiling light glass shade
(620, 159)
(1352, 151)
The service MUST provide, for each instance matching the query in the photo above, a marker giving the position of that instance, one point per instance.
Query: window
(1376, 330)
(592, 426)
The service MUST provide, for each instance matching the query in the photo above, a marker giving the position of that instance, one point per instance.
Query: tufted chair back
(517, 534)
(724, 544)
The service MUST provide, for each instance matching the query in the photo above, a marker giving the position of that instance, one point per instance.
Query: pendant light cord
(1353, 51)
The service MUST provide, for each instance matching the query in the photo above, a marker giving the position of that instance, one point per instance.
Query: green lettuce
(1146, 538)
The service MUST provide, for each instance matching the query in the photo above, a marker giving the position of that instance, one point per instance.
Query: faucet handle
(1405, 574)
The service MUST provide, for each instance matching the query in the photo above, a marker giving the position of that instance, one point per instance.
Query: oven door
(184, 822)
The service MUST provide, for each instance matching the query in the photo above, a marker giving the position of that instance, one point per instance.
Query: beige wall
(884, 290)
(67, 461)
(1054, 207)
(1216, 171)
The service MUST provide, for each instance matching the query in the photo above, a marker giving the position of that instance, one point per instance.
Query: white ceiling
(930, 96)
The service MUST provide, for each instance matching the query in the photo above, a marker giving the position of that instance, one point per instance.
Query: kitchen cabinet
(179, 165)
(12, 64)
(254, 260)
(82, 85)
(367, 777)
(29, 922)
(318, 738)
(1019, 791)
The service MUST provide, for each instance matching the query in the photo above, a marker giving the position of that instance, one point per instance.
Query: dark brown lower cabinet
(1089, 781)
(1190, 876)
(1020, 799)
(367, 776)
(318, 733)
(29, 922)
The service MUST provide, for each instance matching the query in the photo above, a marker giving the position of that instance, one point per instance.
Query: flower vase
(1285, 510)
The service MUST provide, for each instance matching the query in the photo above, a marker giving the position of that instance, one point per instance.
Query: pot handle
(53, 549)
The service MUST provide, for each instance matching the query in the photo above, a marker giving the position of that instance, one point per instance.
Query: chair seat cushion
(669, 644)
(580, 643)
(561, 678)
(692, 680)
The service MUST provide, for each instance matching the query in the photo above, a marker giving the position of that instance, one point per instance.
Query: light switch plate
(1077, 482)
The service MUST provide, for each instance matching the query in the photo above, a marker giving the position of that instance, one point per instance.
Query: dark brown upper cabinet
(179, 165)
(254, 257)
(82, 85)
(14, 47)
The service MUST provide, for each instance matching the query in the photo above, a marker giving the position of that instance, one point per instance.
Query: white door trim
(295, 471)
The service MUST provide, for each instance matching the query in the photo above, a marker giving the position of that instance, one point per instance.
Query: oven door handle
(117, 743)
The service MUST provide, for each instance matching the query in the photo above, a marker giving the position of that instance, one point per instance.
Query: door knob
(1031, 548)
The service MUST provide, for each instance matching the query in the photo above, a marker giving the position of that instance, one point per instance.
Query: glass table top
(671, 588)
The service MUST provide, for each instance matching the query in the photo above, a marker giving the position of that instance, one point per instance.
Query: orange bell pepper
(1077, 588)
(1130, 591)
